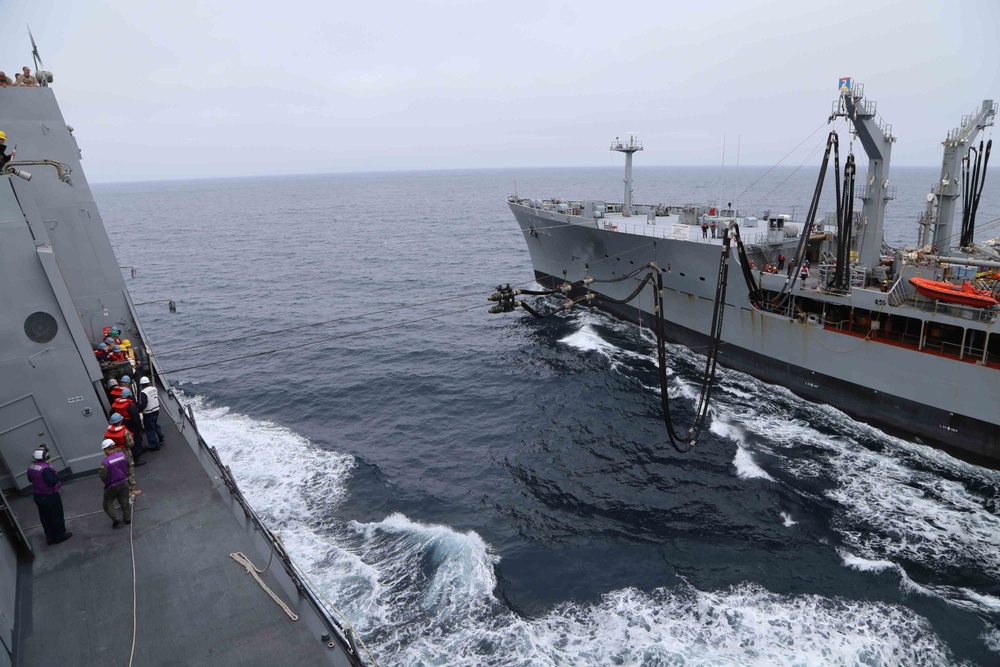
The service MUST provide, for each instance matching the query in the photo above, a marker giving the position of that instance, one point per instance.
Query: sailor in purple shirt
(114, 474)
(45, 487)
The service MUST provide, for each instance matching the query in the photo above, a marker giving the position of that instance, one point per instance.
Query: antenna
(736, 197)
(44, 77)
(722, 173)
(628, 148)
(34, 50)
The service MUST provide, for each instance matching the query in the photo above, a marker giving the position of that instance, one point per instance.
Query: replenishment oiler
(902, 338)
(196, 578)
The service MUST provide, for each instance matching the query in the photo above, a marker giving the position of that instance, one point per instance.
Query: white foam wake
(587, 340)
(424, 594)
(890, 512)
(746, 467)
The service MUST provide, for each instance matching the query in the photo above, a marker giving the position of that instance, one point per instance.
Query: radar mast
(629, 148)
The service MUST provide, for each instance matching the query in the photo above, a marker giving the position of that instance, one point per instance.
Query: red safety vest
(117, 433)
(116, 392)
(121, 407)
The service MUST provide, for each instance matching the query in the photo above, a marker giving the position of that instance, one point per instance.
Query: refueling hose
(506, 302)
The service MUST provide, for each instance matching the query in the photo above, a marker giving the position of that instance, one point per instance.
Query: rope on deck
(252, 570)
(135, 617)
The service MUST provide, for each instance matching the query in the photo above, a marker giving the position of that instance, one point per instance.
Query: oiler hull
(909, 393)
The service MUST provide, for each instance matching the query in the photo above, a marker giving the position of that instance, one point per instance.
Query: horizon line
(417, 170)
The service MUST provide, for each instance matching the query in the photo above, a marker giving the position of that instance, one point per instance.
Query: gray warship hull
(170, 574)
(915, 393)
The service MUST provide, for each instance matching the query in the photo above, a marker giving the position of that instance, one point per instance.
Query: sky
(191, 89)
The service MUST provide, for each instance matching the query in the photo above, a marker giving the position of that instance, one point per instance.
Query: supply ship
(902, 338)
(168, 589)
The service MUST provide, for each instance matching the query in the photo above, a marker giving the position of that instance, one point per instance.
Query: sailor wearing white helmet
(114, 474)
(45, 486)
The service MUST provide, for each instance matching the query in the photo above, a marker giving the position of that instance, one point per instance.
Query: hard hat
(144, 380)
(117, 348)
(114, 331)
(108, 443)
(3, 135)
(109, 340)
(102, 346)
(112, 382)
(126, 342)
(116, 418)
(126, 379)
(126, 393)
(39, 454)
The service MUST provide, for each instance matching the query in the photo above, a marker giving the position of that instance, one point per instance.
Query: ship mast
(950, 185)
(629, 148)
(877, 139)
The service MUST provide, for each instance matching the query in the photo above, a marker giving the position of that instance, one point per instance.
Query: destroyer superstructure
(855, 333)
(170, 575)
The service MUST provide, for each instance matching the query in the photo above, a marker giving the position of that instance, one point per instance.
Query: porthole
(40, 327)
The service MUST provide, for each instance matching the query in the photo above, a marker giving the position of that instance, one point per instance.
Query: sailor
(4, 158)
(126, 346)
(121, 420)
(781, 262)
(132, 418)
(26, 78)
(791, 269)
(114, 390)
(114, 474)
(122, 438)
(101, 353)
(804, 274)
(45, 487)
(149, 405)
(704, 230)
(5, 80)
(713, 229)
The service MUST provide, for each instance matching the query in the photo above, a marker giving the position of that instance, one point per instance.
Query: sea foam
(424, 594)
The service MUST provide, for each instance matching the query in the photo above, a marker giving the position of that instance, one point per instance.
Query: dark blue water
(493, 489)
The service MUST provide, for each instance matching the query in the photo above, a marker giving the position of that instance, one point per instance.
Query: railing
(345, 637)
(953, 309)
(957, 351)
(896, 295)
(956, 132)
(887, 193)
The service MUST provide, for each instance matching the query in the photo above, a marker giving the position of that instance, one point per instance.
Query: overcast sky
(190, 89)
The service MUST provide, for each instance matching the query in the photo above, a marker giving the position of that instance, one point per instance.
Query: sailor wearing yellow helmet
(4, 158)
(126, 347)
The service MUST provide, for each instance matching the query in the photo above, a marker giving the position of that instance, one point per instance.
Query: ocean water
(476, 489)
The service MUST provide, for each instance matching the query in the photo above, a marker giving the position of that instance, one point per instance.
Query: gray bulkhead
(58, 268)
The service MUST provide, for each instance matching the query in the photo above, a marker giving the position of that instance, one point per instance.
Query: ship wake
(425, 594)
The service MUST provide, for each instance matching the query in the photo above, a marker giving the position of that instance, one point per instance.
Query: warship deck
(194, 604)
